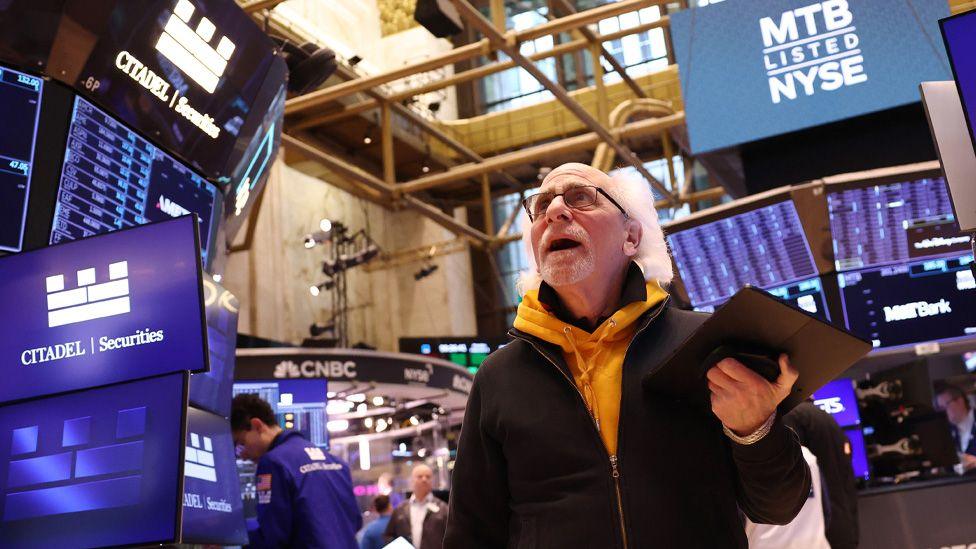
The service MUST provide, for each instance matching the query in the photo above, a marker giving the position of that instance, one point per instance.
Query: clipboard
(754, 318)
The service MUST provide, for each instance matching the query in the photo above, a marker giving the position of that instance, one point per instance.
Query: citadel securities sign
(101, 310)
(752, 69)
(351, 365)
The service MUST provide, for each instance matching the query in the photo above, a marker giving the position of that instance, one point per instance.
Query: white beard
(560, 272)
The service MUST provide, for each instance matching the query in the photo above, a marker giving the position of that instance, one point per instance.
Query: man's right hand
(968, 462)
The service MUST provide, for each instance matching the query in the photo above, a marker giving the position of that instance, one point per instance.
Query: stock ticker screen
(893, 223)
(298, 404)
(765, 247)
(914, 302)
(20, 105)
(112, 179)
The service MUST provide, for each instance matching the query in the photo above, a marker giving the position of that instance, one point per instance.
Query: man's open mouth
(562, 244)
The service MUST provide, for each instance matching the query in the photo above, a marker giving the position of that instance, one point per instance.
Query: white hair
(634, 195)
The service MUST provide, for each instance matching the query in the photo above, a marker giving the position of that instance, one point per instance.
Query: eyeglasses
(575, 198)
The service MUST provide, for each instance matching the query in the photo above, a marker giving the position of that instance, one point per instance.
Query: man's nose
(558, 210)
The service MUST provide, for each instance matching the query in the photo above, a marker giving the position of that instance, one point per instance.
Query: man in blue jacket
(305, 494)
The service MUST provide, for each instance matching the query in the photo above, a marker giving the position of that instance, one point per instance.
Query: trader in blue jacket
(304, 494)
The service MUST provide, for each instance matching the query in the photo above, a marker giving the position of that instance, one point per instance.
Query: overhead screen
(212, 390)
(20, 107)
(796, 64)
(959, 33)
(113, 179)
(764, 246)
(298, 404)
(94, 468)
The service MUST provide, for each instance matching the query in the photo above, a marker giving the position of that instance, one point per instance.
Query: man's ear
(257, 425)
(635, 232)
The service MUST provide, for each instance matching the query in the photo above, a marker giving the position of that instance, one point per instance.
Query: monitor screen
(212, 390)
(299, 404)
(888, 223)
(959, 33)
(93, 468)
(212, 507)
(859, 455)
(112, 179)
(466, 352)
(765, 247)
(110, 308)
(20, 107)
(928, 300)
(837, 399)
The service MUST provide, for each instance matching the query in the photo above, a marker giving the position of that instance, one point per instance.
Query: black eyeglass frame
(532, 217)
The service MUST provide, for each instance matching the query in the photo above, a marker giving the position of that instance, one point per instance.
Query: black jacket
(433, 529)
(820, 433)
(532, 470)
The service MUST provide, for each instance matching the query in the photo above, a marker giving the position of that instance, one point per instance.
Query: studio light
(328, 231)
(309, 65)
(425, 272)
(318, 329)
(323, 287)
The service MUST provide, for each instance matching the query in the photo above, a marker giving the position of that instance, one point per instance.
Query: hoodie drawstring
(586, 367)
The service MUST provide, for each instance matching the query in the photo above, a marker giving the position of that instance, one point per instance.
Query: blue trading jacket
(305, 498)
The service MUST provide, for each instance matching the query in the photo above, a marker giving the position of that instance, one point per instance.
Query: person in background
(373, 536)
(819, 433)
(422, 519)
(305, 496)
(953, 400)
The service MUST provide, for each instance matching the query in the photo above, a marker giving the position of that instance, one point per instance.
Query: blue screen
(111, 308)
(20, 105)
(213, 511)
(893, 223)
(112, 179)
(859, 456)
(795, 64)
(837, 399)
(299, 404)
(928, 300)
(960, 39)
(212, 390)
(765, 247)
(93, 468)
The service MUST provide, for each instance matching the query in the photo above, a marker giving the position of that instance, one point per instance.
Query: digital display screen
(929, 300)
(467, 353)
(213, 511)
(765, 247)
(20, 107)
(837, 398)
(93, 468)
(299, 404)
(797, 64)
(960, 40)
(106, 309)
(212, 390)
(859, 455)
(112, 179)
(893, 223)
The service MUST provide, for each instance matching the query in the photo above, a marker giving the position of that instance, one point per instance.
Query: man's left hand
(742, 399)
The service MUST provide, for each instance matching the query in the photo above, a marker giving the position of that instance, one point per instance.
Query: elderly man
(560, 447)
(422, 518)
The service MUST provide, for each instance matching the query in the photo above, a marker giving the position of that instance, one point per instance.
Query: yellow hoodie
(595, 359)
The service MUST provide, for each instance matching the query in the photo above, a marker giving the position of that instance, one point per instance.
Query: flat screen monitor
(954, 145)
(466, 352)
(106, 309)
(858, 453)
(213, 511)
(212, 390)
(299, 404)
(20, 107)
(909, 303)
(876, 223)
(112, 178)
(959, 34)
(93, 468)
(837, 399)
(764, 246)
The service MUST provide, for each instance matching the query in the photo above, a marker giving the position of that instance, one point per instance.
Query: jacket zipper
(614, 470)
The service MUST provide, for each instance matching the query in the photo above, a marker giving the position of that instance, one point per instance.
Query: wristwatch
(756, 436)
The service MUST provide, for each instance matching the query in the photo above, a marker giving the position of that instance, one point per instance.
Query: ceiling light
(381, 426)
(337, 425)
(378, 401)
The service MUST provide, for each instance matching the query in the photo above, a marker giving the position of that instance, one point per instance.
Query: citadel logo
(171, 208)
(88, 301)
(809, 48)
(190, 50)
(917, 309)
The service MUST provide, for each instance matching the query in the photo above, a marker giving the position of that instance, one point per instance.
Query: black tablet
(753, 319)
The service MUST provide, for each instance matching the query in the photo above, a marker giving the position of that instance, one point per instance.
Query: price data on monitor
(765, 247)
(20, 103)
